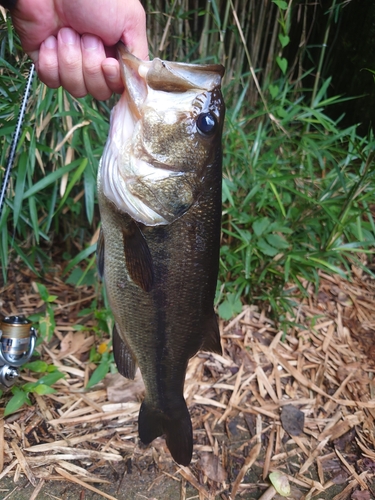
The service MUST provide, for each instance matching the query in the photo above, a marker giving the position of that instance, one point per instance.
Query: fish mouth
(152, 184)
(139, 75)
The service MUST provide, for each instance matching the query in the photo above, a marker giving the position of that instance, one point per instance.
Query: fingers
(111, 70)
(93, 54)
(69, 54)
(79, 64)
(46, 62)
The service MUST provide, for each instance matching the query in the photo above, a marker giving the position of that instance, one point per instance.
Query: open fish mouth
(164, 76)
(140, 174)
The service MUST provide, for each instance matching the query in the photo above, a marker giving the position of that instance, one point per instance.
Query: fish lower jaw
(119, 170)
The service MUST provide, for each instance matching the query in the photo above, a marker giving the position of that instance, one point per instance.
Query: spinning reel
(17, 343)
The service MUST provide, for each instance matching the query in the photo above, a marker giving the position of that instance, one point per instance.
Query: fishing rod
(17, 336)
(16, 138)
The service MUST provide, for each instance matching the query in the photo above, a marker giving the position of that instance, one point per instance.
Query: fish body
(159, 191)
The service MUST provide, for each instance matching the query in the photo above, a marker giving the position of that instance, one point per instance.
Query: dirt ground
(152, 484)
(300, 402)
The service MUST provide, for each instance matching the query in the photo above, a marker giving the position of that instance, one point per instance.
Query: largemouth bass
(159, 189)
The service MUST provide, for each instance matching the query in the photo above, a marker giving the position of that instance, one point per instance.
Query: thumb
(134, 36)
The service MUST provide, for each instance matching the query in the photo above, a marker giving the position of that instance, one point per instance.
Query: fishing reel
(17, 343)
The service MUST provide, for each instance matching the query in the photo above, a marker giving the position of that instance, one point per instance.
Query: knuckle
(91, 70)
(70, 63)
(141, 13)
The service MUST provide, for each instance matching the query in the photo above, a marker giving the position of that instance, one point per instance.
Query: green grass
(298, 188)
(52, 194)
(299, 204)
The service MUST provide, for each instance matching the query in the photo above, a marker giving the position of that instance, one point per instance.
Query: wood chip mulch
(302, 403)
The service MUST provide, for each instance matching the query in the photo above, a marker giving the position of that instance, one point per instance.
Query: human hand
(72, 42)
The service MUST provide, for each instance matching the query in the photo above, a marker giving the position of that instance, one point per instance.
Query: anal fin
(211, 340)
(124, 358)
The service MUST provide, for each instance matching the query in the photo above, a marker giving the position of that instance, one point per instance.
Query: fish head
(165, 136)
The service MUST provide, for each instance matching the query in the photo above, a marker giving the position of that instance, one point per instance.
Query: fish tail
(176, 425)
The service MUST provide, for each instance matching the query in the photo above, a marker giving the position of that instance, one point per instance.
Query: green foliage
(297, 190)
(230, 306)
(299, 202)
(101, 355)
(45, 321)
(42, 386)
(51, 200)
(106, 363)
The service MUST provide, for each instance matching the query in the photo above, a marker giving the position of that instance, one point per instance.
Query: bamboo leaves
(298, 188)
(55, 157)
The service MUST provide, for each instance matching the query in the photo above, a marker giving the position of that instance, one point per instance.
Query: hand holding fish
(72, 43)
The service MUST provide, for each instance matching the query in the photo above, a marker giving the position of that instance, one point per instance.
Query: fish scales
(160, 262)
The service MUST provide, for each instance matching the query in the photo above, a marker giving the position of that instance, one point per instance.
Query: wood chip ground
(301, 402)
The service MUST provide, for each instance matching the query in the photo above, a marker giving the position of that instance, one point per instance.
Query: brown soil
(300, 402)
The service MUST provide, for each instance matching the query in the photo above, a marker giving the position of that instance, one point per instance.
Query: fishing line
(16, 138)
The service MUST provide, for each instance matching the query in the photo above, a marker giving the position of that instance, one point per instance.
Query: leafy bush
(297, 187)
(41, 386)
(51, 208)
(301, 201)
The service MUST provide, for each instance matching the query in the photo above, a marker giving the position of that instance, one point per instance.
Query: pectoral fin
(138, 257)
(124, 358)
(211, 340)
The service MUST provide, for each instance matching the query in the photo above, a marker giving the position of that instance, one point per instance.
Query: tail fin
(176, 425)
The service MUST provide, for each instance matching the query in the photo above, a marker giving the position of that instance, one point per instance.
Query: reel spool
(17, 343)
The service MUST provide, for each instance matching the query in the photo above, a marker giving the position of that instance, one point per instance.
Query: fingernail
(90, 42)
(68, 36)
(50, 42)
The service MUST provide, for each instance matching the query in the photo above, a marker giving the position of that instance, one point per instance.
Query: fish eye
(206, 123)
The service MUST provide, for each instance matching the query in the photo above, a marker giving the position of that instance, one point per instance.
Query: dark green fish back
(165, 326)
(160, 263)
